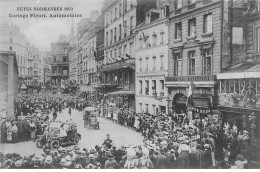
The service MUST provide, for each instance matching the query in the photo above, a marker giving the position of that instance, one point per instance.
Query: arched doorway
(179, 103)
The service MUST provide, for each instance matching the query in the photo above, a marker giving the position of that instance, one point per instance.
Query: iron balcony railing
(191, 78)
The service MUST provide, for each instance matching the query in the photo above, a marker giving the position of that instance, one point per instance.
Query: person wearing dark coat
(160, 161)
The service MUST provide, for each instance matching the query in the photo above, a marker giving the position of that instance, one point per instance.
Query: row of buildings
(29, 58)
(144, 54)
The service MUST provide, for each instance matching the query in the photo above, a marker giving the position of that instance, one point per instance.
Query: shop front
(239, 98)
(123, 99)
(204, 101)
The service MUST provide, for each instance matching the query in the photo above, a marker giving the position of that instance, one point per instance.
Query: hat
(91, 156)
(245, 132)
(240, 157)
(69, 149)
(145, 151)
(18, 163)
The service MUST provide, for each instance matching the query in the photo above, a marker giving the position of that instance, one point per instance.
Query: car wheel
(76, 139)
(55, 144)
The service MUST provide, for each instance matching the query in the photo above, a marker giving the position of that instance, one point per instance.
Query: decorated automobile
(59, 135)
(90, 118)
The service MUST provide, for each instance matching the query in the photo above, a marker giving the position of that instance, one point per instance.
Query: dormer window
(148, 18)
(165, 11)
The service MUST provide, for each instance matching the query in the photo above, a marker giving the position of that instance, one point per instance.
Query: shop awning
(123, 93)
(86, 88)
(240, 71)
(238, 110)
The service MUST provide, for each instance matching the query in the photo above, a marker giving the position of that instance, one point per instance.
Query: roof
(242, 70)
(123, 93)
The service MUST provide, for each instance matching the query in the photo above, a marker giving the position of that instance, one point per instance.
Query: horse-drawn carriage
(90, 118)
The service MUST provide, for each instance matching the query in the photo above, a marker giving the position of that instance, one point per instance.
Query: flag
(192, 89)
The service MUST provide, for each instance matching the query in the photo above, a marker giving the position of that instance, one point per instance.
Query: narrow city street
(90, 137)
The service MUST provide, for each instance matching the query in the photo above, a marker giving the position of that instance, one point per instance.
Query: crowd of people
(209, 141)
(32, 115)
(170, 141)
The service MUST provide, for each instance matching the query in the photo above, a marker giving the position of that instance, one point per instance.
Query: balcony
(200, 78)
(58, 74)
(125, 63)
(60, 62)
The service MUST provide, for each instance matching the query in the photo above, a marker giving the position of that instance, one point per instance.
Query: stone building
(151, 60)
(60, 62)
(239, 82)
(195, 44)
(73, 58)
(8, 81)
(118, 72)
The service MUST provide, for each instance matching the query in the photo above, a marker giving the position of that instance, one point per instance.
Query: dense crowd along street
(168, 141)
(131, 84)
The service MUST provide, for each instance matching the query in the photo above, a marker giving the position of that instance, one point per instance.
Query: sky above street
(40, 32)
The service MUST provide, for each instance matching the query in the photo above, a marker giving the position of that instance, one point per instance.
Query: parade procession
(130, 84)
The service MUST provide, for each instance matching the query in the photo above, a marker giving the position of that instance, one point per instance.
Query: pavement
(121, 136)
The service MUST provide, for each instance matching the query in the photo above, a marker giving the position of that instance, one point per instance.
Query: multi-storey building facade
(239, 82)
(8, 82)
(195, 44)
(60, 63)
(12, 39)
(73, 58)
(151, 61)
(82, 48)
(120, 19)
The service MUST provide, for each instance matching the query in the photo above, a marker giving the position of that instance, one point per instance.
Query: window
(258, 5)
(162, 84)
(111, 54)
(162, 59)
(207, 62)
(140, 42)
(107, 38)
(120, 9)
(111, 16)
(119, 51)
(191, 55)
(111, 36)
(258, 39)
(154, 85)
(140, 87)
(192, 27)
(115, 33)
(115, 53)
(154, 39)
(125, 6)
(147, 63)
(154, 62)
(140, 64)
(177, 64)
(131, 25)
(178, 4)
(207, 25)
(178, 30)
(124, 25)
(64, 59)
(115, 13)
(147, 87)
(120, 31)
